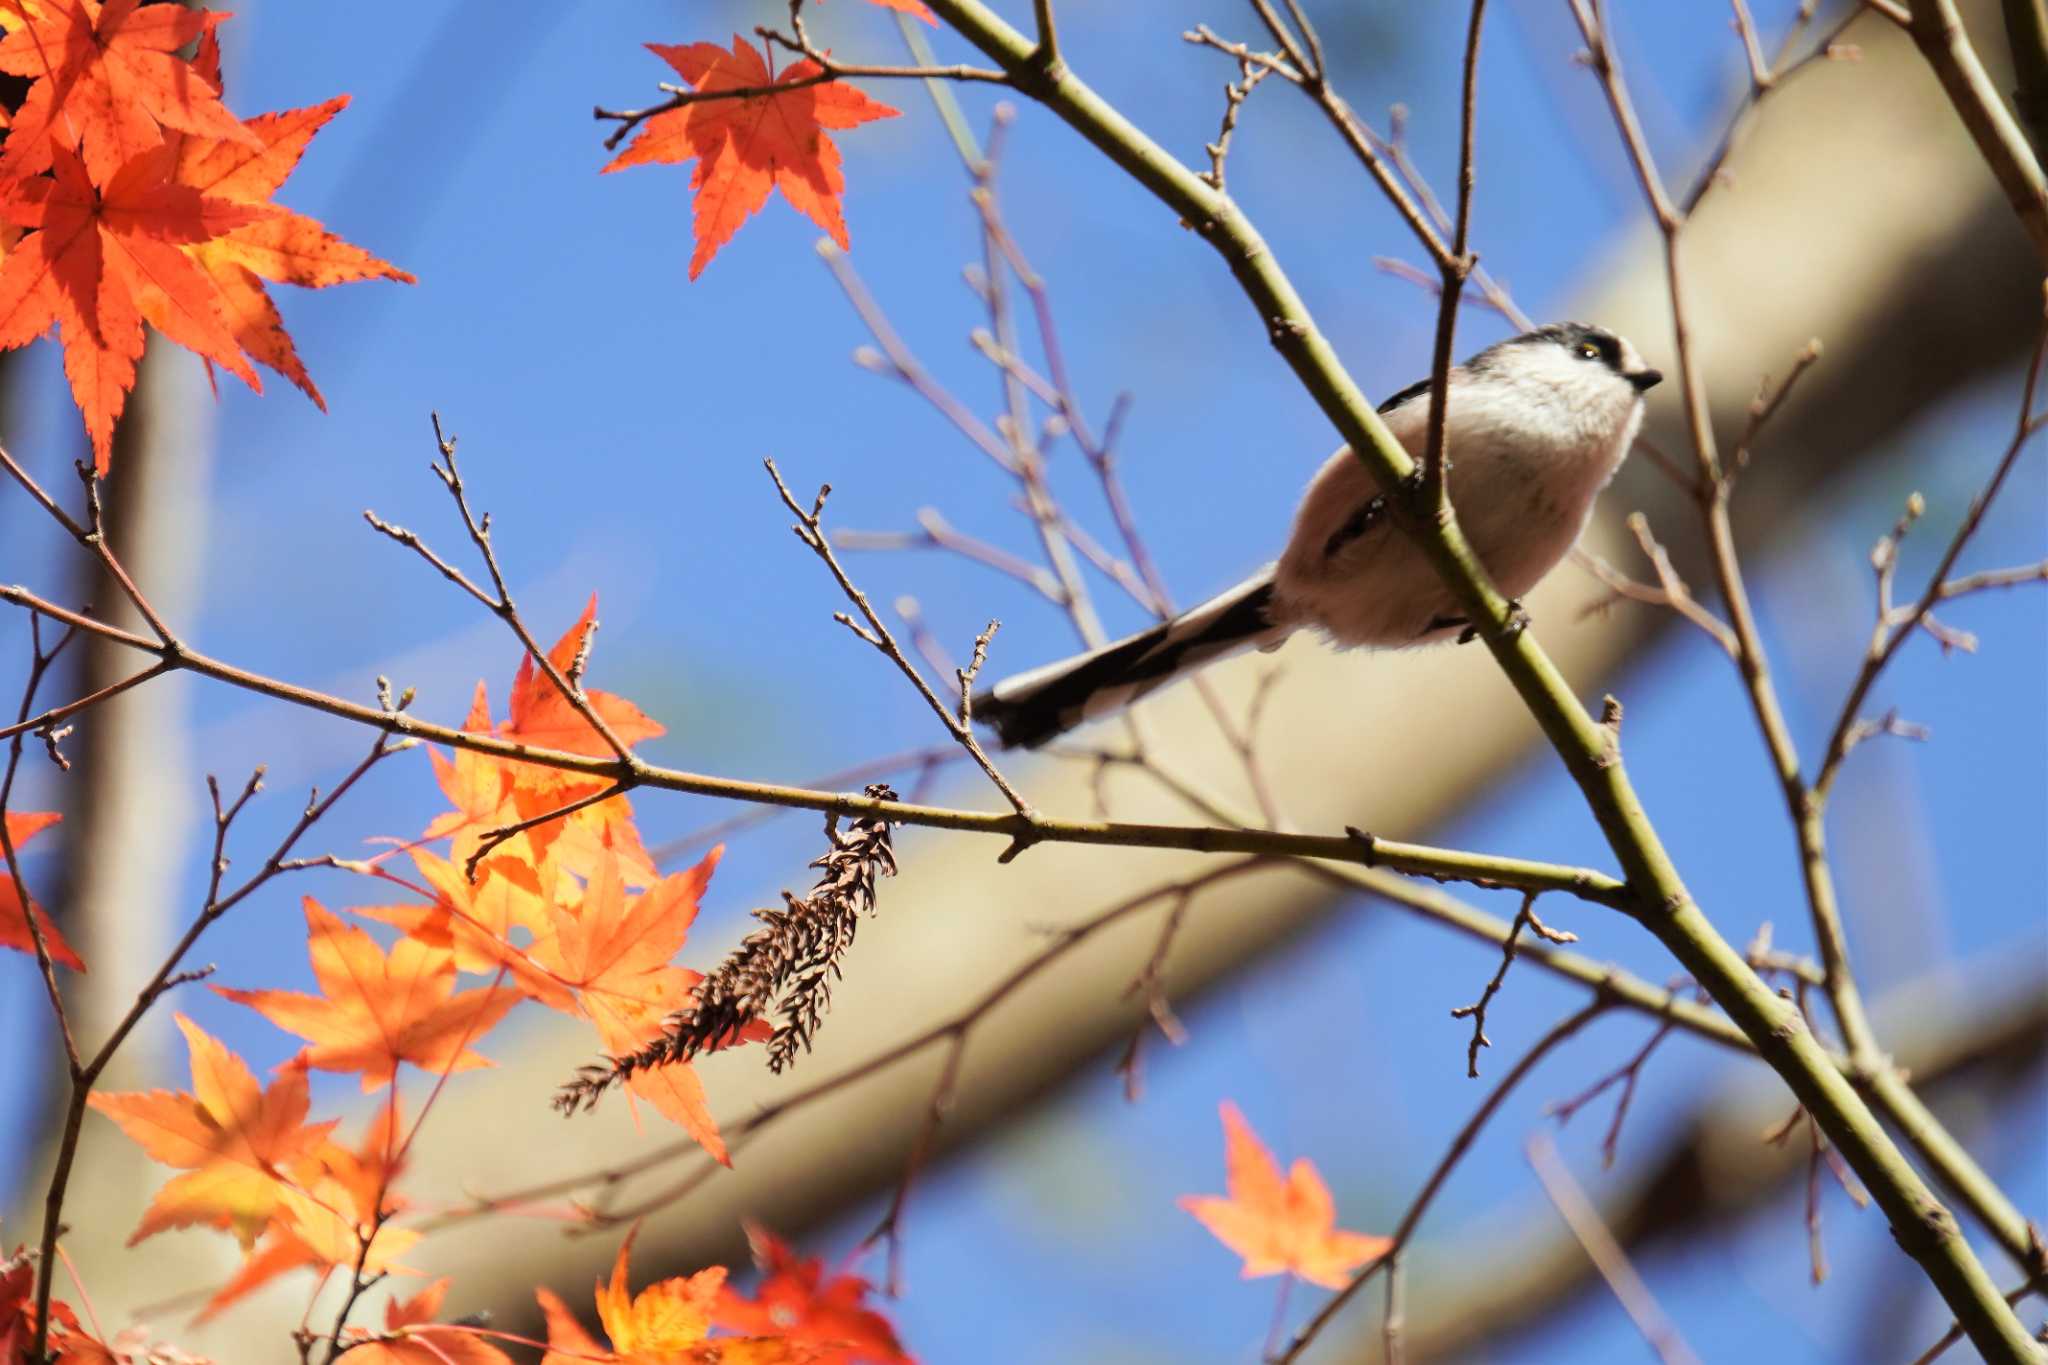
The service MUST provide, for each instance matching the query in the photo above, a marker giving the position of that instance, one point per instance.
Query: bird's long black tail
(1031, 708)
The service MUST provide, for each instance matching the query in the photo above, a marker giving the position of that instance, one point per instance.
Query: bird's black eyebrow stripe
(1357, 524)
(1415, 390)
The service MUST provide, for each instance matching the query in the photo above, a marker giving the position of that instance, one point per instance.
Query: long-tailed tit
(1536, 427)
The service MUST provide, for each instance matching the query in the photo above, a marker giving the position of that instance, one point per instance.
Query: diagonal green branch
(1924, 1228)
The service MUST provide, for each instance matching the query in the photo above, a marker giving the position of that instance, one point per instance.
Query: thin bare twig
(810, 530)
(1606, 1253)
(1460, 1145)
(1525, 918)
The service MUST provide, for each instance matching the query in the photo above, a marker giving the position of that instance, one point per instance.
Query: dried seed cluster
(787, 966)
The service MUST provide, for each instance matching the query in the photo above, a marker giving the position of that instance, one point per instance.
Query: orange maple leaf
(277, 244)
(103, 262)
(333, 1205)
(541, 716)
(234, 1139)
(1279, 1225)
(412, 1337)
(105, 83)
(746, 146)
(797, 1299)
(21, 827)
(614, 953)
(380, 1009)
(916, 8)
(665, 1324)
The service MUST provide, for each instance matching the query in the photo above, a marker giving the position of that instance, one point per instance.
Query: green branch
(1925, 1229)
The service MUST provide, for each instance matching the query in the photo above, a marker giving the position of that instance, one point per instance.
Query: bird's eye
(1588, 351)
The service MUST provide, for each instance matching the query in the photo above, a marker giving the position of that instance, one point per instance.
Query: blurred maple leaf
(1279, 1225)
(234, 1139)
(911, 7)
(340, 1197)
(797, 1299)
(746, 146)
(21, 827)
(665, 1324)
(105, 82)
(412, 1337)
(377, 1009)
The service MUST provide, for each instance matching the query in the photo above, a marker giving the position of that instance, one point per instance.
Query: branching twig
(1476, 1012)
(1626, 1075)
(1460, 1145)
(809, 529)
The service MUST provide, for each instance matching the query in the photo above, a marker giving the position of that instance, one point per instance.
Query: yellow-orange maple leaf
(234, 1139)
(747, 146)
(21, 827)
(665, 1324)
(332, 1206)
(1279, 1225)
(613, 952)
(377, 1009)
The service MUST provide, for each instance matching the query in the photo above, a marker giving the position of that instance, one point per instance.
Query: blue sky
(613, 416)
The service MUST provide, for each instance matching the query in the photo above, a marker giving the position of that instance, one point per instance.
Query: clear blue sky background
(613, 416)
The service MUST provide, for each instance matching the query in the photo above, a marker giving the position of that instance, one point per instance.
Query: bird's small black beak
(1645, 380)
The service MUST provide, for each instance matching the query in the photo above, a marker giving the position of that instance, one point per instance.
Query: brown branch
(680, 96)
(1606, 1254)
(1626, 1075)
(1476, 1012)
(1937, 30)
(1453, 269)
(810, 531)
(936, 533)
(1893, 629)
(1460, 1145)
(85, 1075)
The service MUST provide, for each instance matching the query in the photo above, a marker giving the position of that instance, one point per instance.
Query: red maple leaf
(21, 827)
(102, 263)
(234, 1140)
(377, 1009)
(798, 1300)
(277, 244)
(105, 83)
(746, 146)
(1279, 1225)
(664, 1324)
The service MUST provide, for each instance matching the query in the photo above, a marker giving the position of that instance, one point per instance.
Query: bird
(1535, 427)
